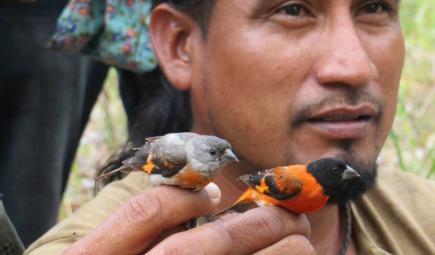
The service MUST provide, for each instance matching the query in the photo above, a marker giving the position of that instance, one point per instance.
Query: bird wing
(166, 166)
(134, 163)
(167, 157)
(140, 157)
(163, 155)
(277, 183)
(282, 189)
(113, 172)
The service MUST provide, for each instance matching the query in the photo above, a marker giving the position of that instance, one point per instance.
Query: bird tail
(252, 180)
(244, 203)
(123, 168)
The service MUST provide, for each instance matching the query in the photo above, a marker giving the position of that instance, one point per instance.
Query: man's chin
(355, 188)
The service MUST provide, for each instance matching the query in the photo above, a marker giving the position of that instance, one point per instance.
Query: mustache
(350, 97)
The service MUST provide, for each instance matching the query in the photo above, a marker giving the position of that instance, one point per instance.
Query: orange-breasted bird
(297, 188)
(187, 160)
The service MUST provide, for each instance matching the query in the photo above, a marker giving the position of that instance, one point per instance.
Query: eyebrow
(396, 2)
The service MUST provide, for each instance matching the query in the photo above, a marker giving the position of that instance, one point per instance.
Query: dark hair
(199, 10)
(162, 108)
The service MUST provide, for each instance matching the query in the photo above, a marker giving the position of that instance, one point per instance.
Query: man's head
(286, 82)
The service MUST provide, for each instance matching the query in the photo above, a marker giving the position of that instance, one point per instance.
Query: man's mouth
(344, 122)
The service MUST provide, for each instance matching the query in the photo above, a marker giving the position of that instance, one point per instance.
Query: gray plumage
(174, 153)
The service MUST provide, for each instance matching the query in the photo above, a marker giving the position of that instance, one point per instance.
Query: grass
(410, 146)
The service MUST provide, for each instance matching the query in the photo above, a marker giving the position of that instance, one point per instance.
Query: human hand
(151, 222)
(260, 231)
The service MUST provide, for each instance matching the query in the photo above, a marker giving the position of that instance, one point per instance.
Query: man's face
(293, 81)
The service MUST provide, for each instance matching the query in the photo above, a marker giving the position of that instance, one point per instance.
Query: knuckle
(169, 250)
(272, 223)
(219, 233)
(299, 244)
(304, 225)
(268, 224)
(142, 209)
(293, 223)
(278, 222)
(200, 241)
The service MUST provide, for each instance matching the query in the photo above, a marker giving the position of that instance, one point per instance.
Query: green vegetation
(105, 132)
(410, 147)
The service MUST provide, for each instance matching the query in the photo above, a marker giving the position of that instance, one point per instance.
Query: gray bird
(187, 160)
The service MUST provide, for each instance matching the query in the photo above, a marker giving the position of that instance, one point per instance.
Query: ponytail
(164, 110)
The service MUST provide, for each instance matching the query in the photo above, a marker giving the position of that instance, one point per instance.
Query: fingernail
(213, 192)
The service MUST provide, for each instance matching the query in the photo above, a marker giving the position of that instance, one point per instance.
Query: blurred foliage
(105, 132)
(410, 147)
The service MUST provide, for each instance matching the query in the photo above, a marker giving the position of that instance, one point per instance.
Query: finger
(210, 240)
(165, 234)
(290, 245)
(134, 226)
(237, 233)
(262, 227)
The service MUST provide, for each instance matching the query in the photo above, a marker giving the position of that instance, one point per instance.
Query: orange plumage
(297, 188)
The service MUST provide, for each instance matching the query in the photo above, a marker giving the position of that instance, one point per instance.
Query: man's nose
(343, 58)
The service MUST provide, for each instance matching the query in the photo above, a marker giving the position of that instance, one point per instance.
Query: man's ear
(173, 34)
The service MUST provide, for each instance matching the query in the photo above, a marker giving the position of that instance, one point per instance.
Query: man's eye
(375, 8)
(294, 9)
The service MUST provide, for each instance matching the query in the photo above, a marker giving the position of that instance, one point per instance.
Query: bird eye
(335, 170)
(212, 152)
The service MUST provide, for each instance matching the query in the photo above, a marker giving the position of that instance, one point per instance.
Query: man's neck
(326, 225)
(326, 230)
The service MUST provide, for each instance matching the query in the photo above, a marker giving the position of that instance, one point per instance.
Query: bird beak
(229, 155)
(349, 173)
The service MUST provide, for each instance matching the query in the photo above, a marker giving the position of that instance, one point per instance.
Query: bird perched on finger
(187, 160)
(297, 188)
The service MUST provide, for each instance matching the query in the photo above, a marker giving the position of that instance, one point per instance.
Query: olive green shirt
(395, 217)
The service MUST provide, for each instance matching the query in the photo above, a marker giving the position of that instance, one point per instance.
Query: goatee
(355, 188)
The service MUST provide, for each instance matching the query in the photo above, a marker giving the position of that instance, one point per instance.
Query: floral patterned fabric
(112, 31)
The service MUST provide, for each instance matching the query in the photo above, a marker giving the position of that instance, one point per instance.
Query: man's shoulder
(403, 184)
(396, 215)
(402, 191)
